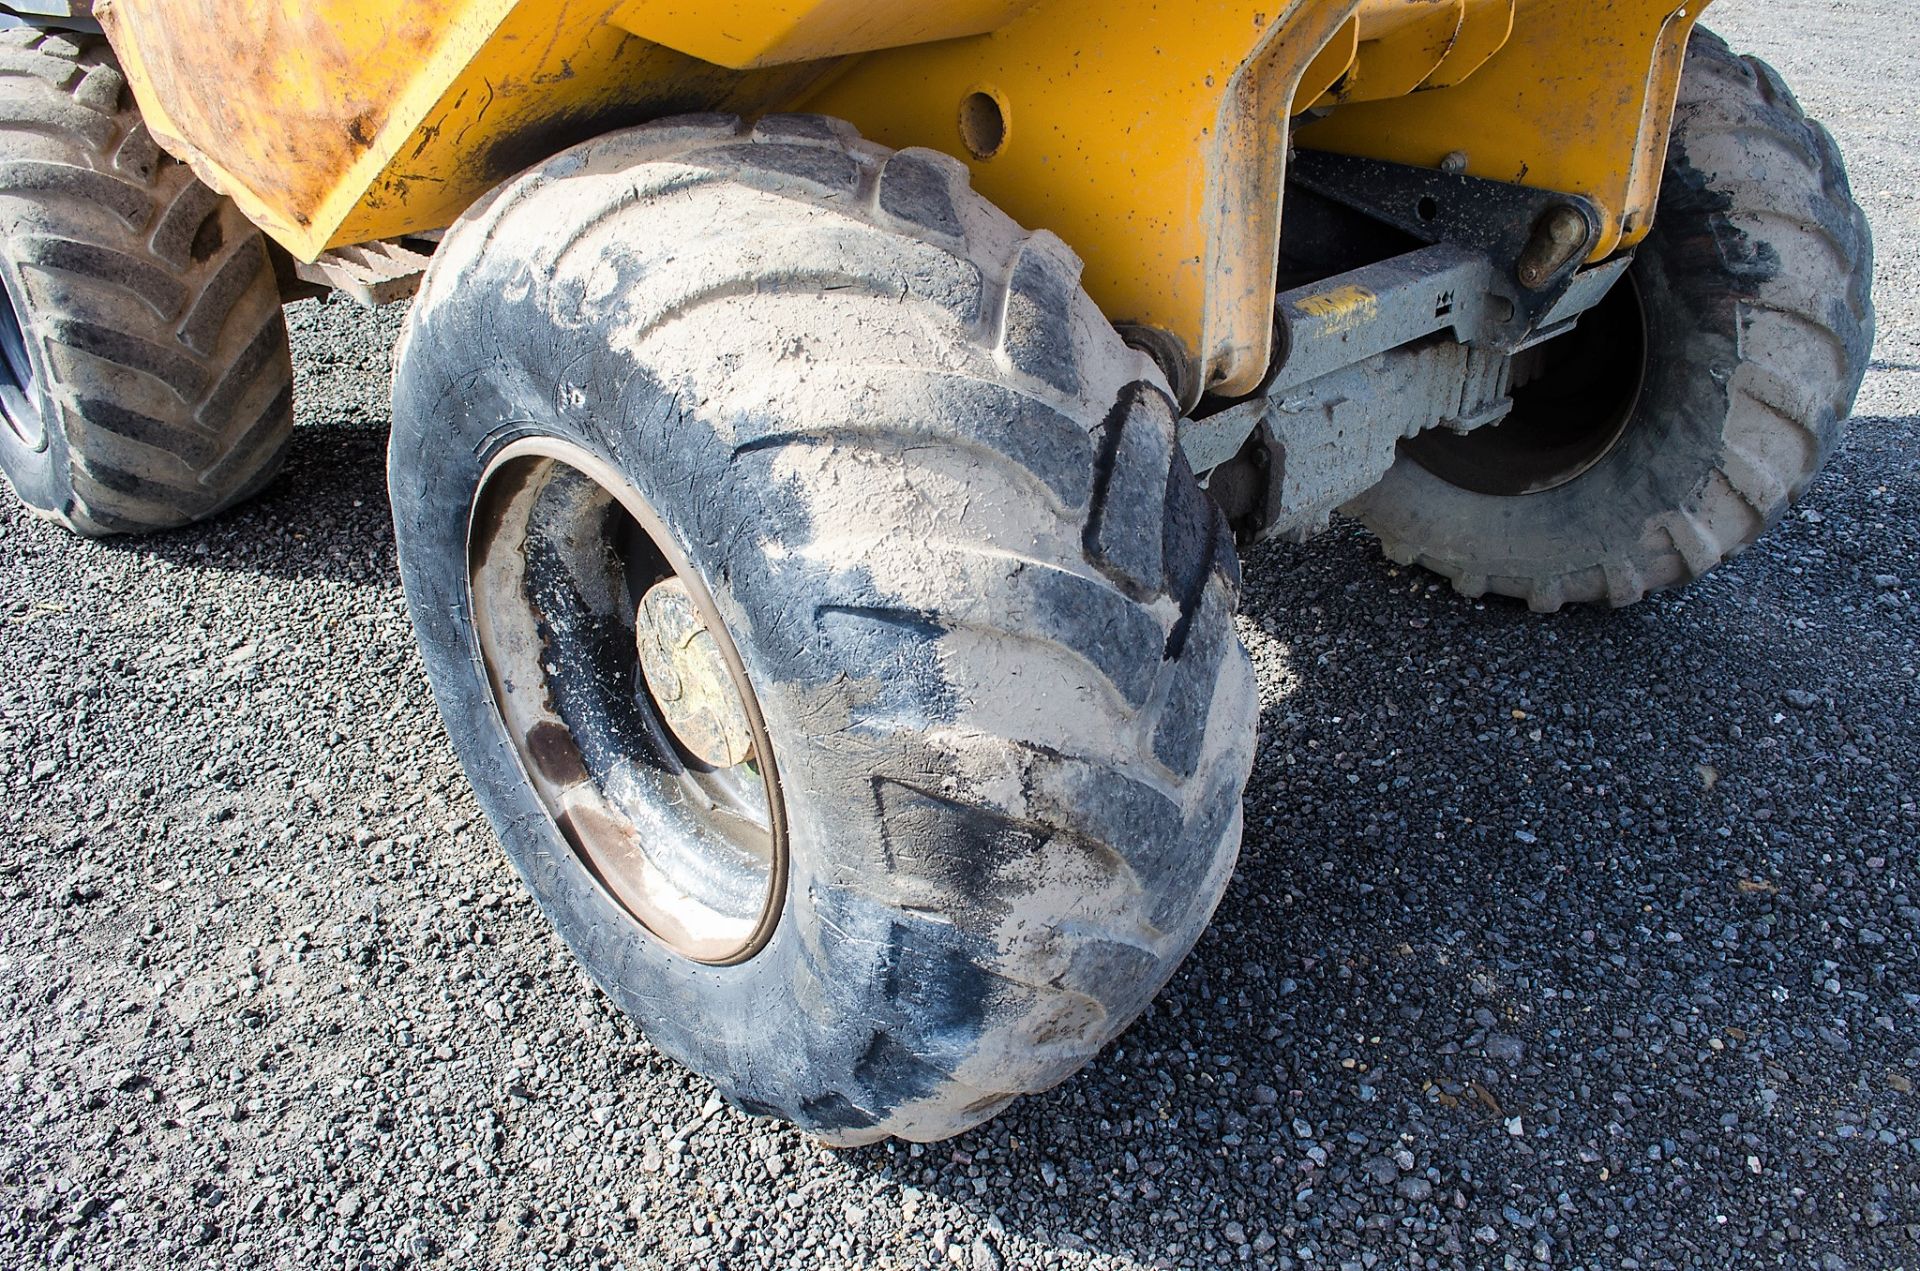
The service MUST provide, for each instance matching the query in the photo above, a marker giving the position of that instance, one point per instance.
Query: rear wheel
(145, 376)
(1693, 406)
(824, 613)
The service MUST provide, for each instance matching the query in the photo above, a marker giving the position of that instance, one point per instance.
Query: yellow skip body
(1151, 137)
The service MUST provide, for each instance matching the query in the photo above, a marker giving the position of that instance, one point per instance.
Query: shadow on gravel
(325, 518)
(1537, 922)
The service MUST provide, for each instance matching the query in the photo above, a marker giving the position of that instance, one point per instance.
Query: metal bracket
(1334, 437)
(1417, 341)
(373, 274)
(1329, 325)
(1350, 318)
(1538, 239)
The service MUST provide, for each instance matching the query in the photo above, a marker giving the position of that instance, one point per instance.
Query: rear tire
(1756, 322)
(146, 379)
(938, 505)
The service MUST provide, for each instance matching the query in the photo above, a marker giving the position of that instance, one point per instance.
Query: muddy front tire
(881, 442)
(1690, 409)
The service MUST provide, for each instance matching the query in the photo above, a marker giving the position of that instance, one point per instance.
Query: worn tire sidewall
(794, 1028)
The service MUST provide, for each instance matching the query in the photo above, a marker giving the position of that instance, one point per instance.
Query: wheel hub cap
(688, 677)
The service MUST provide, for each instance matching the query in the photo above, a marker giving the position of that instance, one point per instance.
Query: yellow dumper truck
(824, 428)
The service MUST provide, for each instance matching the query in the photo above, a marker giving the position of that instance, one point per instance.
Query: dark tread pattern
(65, 180)
(916, 192)
(1124, 525)
(956, 857)
(1039, 313)
(162, 292)
(150, 297)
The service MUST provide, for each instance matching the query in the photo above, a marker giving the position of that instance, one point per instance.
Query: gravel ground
(1587, 941)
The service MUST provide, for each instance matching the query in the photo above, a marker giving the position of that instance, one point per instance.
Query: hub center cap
(688, 677)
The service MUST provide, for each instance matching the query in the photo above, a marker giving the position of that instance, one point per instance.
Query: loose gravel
(1588, 941)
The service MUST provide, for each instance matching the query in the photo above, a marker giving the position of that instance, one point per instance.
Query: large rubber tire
(158, 385)
(1755, 289)
(984, 606)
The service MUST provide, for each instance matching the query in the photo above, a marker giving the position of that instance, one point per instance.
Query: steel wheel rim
(562, 549)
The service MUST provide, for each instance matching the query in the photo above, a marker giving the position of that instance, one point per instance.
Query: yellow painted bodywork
(1579, 98)
(1151, 136)
(1402, 44)
(343, 121)
(748, 33)
(1156, 148)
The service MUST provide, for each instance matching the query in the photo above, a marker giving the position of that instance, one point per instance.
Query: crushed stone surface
(1590, 941)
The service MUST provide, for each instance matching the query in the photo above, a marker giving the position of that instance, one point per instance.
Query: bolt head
(1566, 227)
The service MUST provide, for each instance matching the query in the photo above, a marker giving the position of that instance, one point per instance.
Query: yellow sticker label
(1343, 308)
